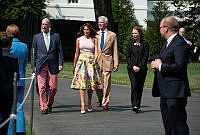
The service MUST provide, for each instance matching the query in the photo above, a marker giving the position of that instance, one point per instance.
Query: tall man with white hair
(107, 59)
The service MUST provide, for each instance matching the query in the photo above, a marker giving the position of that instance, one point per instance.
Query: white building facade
(140, 9)
(151, 4)
(83, 10)
(80, 10)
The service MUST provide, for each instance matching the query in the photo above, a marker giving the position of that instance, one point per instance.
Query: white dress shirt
(44, 36)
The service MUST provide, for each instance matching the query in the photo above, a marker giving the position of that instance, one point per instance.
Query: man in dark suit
(8, 66)
(49, 62)
(171, 81)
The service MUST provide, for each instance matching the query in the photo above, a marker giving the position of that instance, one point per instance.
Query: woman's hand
(136, 69)
(93, 63)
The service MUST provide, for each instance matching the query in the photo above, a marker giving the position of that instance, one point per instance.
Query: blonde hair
(14, 30)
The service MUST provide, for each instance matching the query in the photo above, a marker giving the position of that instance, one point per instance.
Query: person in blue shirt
(19, 50)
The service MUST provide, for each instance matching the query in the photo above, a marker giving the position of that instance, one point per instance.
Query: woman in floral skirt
(86, 73)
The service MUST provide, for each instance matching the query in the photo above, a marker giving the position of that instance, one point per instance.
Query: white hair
(103, 17)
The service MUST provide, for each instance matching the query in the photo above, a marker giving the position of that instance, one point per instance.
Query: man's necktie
(164, 46)
(102, 39)
(47, 42)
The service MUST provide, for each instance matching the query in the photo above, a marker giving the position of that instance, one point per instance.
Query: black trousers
(5, 110)
(137, 83)
(174, 116)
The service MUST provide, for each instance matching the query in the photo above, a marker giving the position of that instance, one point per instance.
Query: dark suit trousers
(137, 83)
(5, 110)
(174, 116)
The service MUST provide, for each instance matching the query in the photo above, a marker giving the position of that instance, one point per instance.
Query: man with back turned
(171, 81)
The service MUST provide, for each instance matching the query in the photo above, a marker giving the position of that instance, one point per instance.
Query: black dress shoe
(139, 110)
(135, 109)
(49, 108)
(44, 111)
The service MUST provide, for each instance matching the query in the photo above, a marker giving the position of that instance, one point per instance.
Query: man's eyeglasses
(44, 24)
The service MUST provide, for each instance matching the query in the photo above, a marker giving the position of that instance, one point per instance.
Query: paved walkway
(119, 120)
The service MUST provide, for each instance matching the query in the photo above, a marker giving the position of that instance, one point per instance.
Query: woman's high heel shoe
(83, 112)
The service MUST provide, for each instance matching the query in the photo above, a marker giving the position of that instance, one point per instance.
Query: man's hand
(115, 68)
(188, 42)
(156, 63)
(93, 62)
(60, 68)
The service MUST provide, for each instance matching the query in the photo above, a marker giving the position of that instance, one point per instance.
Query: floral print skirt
(87, 75)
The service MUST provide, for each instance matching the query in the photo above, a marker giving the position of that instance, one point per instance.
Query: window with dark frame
(73, 1)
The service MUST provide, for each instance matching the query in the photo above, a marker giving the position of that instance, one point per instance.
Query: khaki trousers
(107, 87)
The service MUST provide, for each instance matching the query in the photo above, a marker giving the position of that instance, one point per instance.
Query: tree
(103, 7)
(152, 34)
(22, 9)
(189, 11)
(123, 13)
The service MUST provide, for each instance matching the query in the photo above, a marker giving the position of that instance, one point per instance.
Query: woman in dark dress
(137, 55)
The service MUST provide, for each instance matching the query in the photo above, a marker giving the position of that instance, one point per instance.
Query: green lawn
(121, 76)
(28, 127)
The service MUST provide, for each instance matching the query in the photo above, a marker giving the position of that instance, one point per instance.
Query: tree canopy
(189, 13)
(123, 13)
(103, 7)
(22, 9)
(152, 34)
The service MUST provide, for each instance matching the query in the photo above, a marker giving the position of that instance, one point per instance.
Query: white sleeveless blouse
(86, 44)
